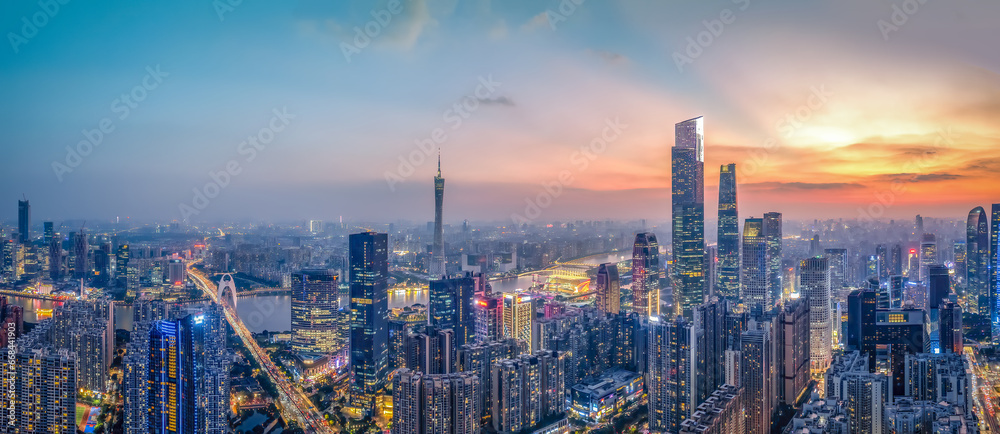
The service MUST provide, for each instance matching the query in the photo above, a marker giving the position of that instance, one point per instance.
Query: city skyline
(601, 64)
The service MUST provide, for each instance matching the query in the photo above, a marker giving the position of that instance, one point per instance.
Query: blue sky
(892, 96)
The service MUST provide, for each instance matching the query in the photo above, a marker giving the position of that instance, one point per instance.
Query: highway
(295, 406)
(985, 381)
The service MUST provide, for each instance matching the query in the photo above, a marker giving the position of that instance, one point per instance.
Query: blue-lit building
(451, 305)
(369, 274)
(597, 399)
(187, 376)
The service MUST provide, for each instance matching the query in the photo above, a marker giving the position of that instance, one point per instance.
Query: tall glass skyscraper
(608, 289)
(688, 215)
(369, 262)
(814, 284)
(23, 221)
(646, 275)
(772, 232)
(451, 307)
(994, 266)
(315, 312)
(977, 241)
(753, 272)
(729, 235)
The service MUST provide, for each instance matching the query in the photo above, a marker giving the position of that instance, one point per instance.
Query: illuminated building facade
(316, 312)
(814, 285)
(728, 268)
(754, 288)
(772, 234)
(669, 373)
(977, 241)
(646, 275)
(429, 403)
(369, 273)
(518, 317)
(452, 305)
(608, 289)
(688, 217)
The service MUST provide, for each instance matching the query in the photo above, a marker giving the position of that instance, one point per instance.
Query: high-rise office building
(729, 235)
(688, 216)
(950, 328)
(451, 305)
(960, 251)
(837, 260)
(772, 233)
(882, 261)
(794, 349)
(527, 390)
(489, 319)
(48, 232)
(670, 368)
(429, 403)
(994, 276)
(608, 289)
(40, 385)
(928, 254)
(756, 367)
(814, 284)
(178, 377)
(55, 257)
(754, 288)
(518, 317)
(646, 274)
(316, 312)
(977, 267)
(896, 260)
(23, 221)
(438, 256)
(369, 273)
(81, 249)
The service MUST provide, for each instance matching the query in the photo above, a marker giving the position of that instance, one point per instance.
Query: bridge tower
(227, 290)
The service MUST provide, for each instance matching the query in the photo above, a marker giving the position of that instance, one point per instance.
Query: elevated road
(295, 406)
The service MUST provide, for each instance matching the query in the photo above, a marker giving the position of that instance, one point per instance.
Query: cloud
(536, 22)
(497, 100)
(918, 177)
(609, 56)
(800, 186)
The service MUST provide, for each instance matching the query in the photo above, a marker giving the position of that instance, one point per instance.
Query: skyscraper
(315, 312)
(772, 233)
(729, 234)
(447, 404)
(794, 349)
(669, 375)
(814, 284)
(755, 377)
(451, 306)
(994, 266)
(977, 247)
(837, 259)
(23, 221)
(928, 254)
(518, 317)
(369, 262)
(688, 216)
(49, 230)
(754, 289)
(646, 274)
(81, 248)
(186, 373)
(438, 256)
(55, 257)
(41, 394)
(608, 289)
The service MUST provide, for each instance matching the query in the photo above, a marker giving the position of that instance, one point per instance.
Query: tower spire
(439, 162)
